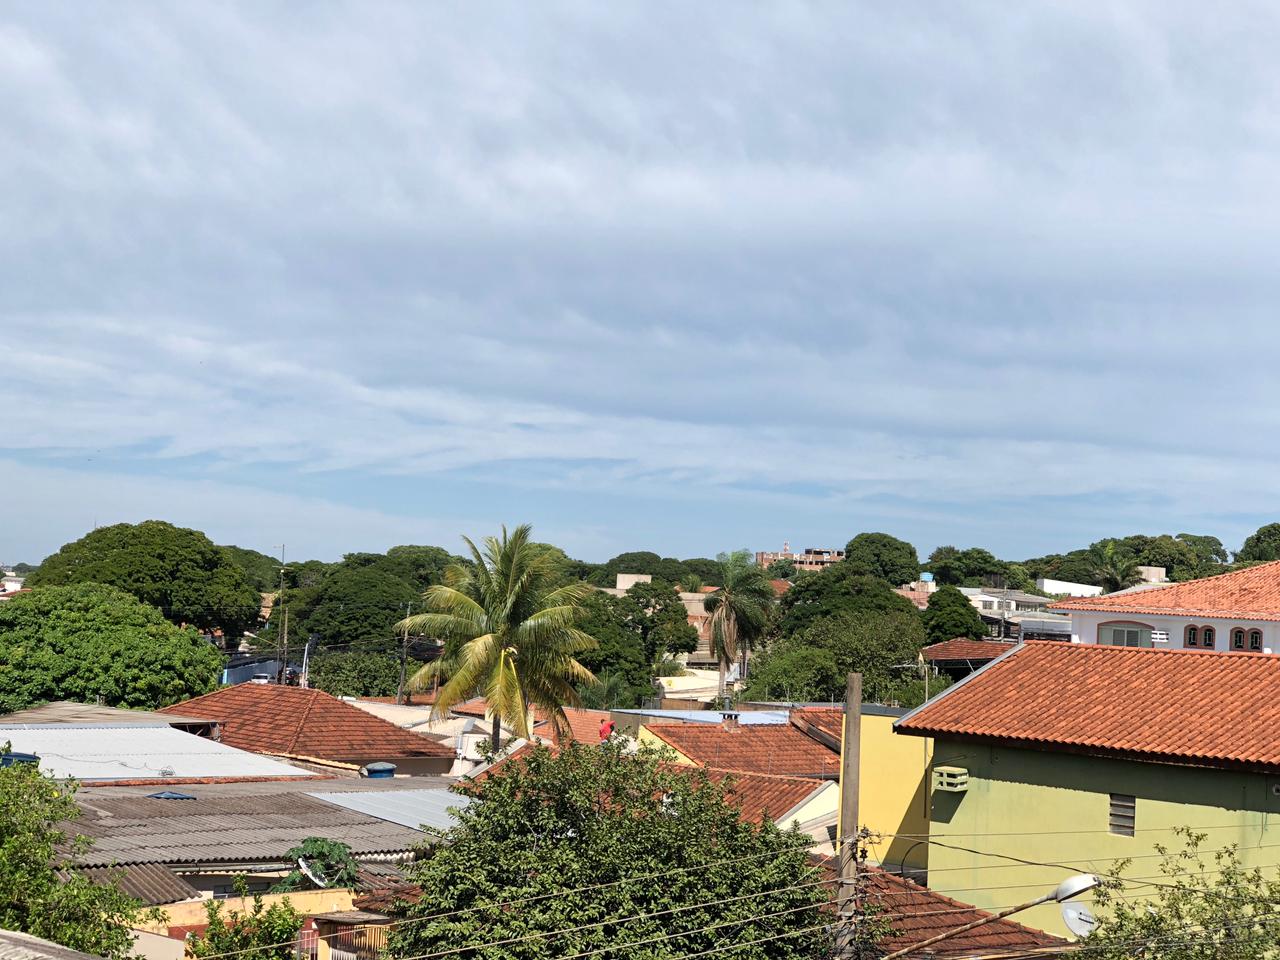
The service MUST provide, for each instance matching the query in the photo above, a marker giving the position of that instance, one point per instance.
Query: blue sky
(652, 276)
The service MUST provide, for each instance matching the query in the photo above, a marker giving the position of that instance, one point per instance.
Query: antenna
(1079, 919)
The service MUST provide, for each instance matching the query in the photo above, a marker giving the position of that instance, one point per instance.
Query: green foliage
(264, 932)
(511, 631)
(950, 615)
(1114, 566)
(837, 590)
(419, 566)
(782, 569)
(600, 818)
(1261, 545)
(881, 555)
(41, 893)
(22, 569)
(357, 604)
(660, 568)
(329, 861)
(1197, 911)
(657, 614)
(795, 673)
(262, 571)
(88, 642)
(619, 659)
(1016, 577)
(740, 611)
(1074, 567)
(1209, 550)
(965, 568)
(179, 571)
(356, 673)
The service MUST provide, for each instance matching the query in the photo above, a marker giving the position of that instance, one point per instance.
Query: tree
(619, 660)
(883, 556)
(795, 673)
(92, 642)
(655, 611)
(571, 853)
(1114, 568)
(1209, 550)
(419, 566)
(262, 932)
(950, 615)
(41, 890)
(1197, 911)
(1261, 545)
(355, 673)
(179, 571)
(783, 568)
(739, 610)
(260, 569)
(965, 568)
(514, 634)
(839, 589)
(357, 605)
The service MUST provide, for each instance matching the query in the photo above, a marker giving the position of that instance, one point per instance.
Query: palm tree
(1114, 569)
(739, 609)
(509, 633)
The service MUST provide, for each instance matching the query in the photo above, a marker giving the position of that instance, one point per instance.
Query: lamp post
(1068, 889)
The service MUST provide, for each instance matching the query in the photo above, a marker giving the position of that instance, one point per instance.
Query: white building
(1237, 612)
(1067, 588)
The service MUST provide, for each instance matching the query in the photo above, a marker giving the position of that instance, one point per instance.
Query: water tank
(380, 770)
(9, 759)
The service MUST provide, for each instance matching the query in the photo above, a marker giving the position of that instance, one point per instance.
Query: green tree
(92, 642)
(261, 570)
(1209, 550)
(569, 853)
(783, 568)
(1016, 577)
(839, 589)
(514, 634)
(357, 605)
(883, 556)
(328, 861)
(263, 932)
(41, 890)
(1261, 545)
(739, 610)
(1197, 911)
(355, 673)
(657, 614)
(619, 658)
(179, 571)
(950, 615)
(965, 568)
(1114, 568)
(795, 673)
(419, 566)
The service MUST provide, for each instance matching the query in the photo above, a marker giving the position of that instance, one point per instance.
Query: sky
(666, 276)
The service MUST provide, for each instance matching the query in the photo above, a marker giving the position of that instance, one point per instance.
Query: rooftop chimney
(729, 719)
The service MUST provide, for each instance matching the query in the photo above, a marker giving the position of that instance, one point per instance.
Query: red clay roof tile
(290, 721)
(1249, 594)
(776, 749)
(963, 648)
(1118, 701)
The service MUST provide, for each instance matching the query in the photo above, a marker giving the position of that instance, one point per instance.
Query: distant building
(810, 560)
(1067, 588)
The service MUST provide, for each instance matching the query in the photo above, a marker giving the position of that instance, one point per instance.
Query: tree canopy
(951, 615)
(89, 642)
(514, 868)
(837, 589)
(356, 673)
(884, 556)
(177, 570)
(668, 569)
(1261, 545)
(41, 891)
(357, 605)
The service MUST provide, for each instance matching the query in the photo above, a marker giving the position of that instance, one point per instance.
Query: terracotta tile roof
(760, 795)
(780, 586)
(915, 913)
(963, 648)
(759, 748)
(824, 724)
(584, 724)
(919, 597)
(1249, 594)
(290, 721)
(1118, 701)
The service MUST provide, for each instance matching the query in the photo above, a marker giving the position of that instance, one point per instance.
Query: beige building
(810, 559)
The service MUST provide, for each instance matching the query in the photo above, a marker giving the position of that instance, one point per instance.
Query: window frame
(1191, 636)
(1237, 638)
(1208, 638)
(1254, 637)
(1111, 625)
(1122, 814)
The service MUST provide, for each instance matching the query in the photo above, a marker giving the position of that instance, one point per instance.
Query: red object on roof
(289, 721)
(915, 913)
(1117, 701)
(775, 749)
(607, 727)
(962, 648)
(1249, 594)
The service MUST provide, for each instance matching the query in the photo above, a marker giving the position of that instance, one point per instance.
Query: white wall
(1085, 623)
(1067, 587)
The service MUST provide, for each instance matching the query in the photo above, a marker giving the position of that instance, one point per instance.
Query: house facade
(1238, 612)
(1060, 757)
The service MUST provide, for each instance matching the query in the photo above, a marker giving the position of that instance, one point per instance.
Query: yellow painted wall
(646, 738)
(1054, 808)
(824, 805)
(893, 800)
(192, 912)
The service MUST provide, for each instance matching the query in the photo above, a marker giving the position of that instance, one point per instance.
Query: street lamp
(1068, 889)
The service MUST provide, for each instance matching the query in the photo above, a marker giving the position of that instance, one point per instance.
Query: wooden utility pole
(404, 656)
(848, 832)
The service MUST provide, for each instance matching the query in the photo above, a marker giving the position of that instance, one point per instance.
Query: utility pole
(404, 656)
(282, 635)
(848, 835)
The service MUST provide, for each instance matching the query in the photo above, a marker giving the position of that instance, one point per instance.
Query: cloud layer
(674, 277)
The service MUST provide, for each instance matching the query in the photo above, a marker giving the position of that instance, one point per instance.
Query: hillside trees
(177, 570)
(91, 642)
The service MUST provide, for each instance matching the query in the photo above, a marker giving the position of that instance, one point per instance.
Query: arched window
(1255, 640)
(1192, 637)
(1207, 637)
(1237, 639)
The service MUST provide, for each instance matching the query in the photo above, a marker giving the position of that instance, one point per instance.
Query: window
(1237, 639)
(1207, 637)
(1192, 637)
(1255, 640)
(1123, 810)
(1124, 635)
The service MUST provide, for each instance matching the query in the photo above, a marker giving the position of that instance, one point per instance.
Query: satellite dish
(313, 875)
(1079, 919)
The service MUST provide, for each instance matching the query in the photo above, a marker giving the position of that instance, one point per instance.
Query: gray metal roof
(91, 714)
(131, 830)
(409, 808)
(23, 946)
(136, 752)
(152, 883)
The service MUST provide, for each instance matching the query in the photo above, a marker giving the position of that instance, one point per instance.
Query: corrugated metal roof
(23, 946)
(157, 751)
(91, 714)
(409, 808)
(152, 883)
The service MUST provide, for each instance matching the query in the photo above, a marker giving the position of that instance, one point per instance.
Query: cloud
(790, 264)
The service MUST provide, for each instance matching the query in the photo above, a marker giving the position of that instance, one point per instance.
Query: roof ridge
(1070, 603)
(770, 776)
(302, 720)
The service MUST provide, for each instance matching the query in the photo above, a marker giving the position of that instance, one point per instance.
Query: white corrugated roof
(103, 753)
(409, 808)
